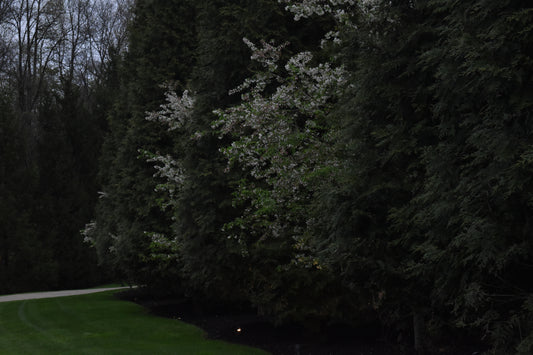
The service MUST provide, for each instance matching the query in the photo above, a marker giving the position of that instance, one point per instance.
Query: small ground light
(239, 330)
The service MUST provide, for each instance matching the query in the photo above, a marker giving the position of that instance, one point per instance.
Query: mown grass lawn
(100, 324)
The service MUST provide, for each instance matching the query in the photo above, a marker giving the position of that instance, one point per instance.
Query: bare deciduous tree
(54, 45)
(109, 19)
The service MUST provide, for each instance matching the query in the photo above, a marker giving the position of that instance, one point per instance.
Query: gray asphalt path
(52, 294)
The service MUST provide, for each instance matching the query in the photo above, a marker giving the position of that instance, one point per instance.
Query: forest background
(322, 160)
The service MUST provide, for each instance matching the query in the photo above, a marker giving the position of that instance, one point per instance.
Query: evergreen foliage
(436, 132)
(476, 175)
(128, 209)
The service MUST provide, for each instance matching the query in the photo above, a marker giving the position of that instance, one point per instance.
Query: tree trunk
(5, 256)
(419, 332)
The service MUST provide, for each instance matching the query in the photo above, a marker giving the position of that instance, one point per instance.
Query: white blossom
(175, 111)
(308, 8)
(88, 233)
(169, 169)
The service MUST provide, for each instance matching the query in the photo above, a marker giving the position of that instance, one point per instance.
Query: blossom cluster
(308, 8)
(175, 111)
(268, 55)
(88, 233)
(170, 170)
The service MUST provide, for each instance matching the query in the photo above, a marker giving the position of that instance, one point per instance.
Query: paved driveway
(52, 294)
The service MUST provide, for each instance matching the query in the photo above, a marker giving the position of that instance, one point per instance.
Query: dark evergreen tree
(50, 140)
(474, 205)
(380, 127)
(47, 199)
(18, 235)
(69, 147)
(160, 43)
(435, 194)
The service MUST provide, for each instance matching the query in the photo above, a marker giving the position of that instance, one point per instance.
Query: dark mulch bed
(245, 327)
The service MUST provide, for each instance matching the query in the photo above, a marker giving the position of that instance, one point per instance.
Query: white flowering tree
(281, 150)
(281, 140)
